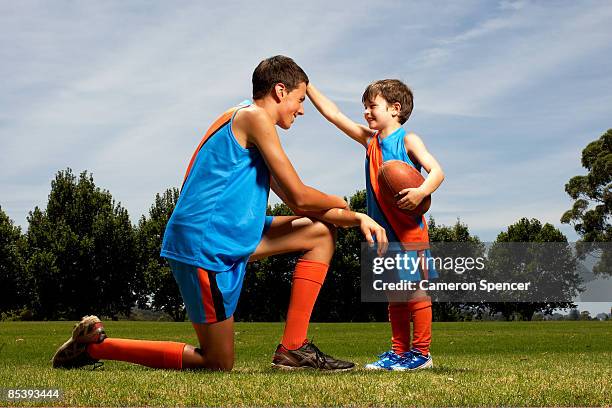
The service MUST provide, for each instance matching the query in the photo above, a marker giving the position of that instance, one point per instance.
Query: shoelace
(410, 356)
(390, 355)
(320, 356)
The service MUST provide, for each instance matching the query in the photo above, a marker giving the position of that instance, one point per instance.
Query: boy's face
(291, 105)
(379, 113)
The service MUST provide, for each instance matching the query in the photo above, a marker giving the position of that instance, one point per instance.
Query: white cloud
(479, 67)
(512, 5)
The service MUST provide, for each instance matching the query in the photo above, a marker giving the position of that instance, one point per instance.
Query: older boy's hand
(370, 230)
(410, 198)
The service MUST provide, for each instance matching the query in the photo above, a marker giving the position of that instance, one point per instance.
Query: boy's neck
(269, 106)
(389, 130)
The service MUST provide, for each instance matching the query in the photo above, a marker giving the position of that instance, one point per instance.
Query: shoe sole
(55, 361)
(375, 368)
(428, 364)
(78, 332)
(305, 368)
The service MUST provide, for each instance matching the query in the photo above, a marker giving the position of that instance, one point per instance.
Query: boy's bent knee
(219, 363)
(323, 242)
(216, 361)
(324, 230)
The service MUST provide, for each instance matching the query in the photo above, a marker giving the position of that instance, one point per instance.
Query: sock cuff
(173, 355)
(314, 271)
(420, 303)
(310, 262)
(399, 306)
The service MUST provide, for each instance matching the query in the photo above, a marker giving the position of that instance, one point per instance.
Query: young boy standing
(219, 224)
(388, 104)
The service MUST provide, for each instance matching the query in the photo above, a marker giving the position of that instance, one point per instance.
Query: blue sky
(507, 93)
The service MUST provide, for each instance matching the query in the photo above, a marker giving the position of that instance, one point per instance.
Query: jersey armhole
(369, 139)
(413, 160)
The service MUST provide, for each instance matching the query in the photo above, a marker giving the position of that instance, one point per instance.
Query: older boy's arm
(435, 176)
(341, 217)
(331, 112)
(263, 135)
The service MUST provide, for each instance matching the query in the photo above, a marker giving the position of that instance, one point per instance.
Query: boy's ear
(397, 106)
(280, 91)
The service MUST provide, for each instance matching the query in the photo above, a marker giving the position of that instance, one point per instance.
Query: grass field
(492, 363)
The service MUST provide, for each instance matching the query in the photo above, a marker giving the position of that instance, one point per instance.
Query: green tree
(554, 267)
(593, 224)
(591, 212)
(13, 281)
(459, 232)
(162, 292)
(574, 314)
(81, 252)
(442, 238)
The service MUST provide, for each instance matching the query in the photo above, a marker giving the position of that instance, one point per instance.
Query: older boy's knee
(325, 233)
(216, 361)
(220, 363)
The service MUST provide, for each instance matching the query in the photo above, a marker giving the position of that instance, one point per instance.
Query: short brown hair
(277, 69)
(394, 91)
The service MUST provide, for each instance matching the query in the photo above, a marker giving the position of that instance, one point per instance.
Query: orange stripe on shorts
(207, 299)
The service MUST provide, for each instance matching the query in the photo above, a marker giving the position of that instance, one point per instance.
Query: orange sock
(399, 316)
(421, 331)
(307, 281)
(155, 354)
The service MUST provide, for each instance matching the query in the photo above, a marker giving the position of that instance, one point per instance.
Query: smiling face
(380, 114)
(291, 104)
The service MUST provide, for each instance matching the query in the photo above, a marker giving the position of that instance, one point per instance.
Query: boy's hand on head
(309, 89)
(330, 111)
(409, 198)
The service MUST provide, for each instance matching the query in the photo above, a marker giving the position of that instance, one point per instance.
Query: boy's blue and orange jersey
(220, 214)
(410, 231)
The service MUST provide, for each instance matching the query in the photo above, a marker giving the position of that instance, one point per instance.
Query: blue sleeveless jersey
(220, 214)
(393, 148)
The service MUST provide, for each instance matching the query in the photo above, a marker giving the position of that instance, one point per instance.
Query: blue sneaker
(413, 360)
(386, 360)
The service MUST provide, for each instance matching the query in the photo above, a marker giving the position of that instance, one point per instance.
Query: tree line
(81, 254)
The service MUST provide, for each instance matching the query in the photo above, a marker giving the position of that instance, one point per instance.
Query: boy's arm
(262, 133)
(435, 176)
(331, 112)
(341, 217)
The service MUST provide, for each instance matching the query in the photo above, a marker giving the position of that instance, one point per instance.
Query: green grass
(476, 364)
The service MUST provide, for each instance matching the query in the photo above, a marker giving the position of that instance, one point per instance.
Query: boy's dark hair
(393, 90)
(277, 69)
